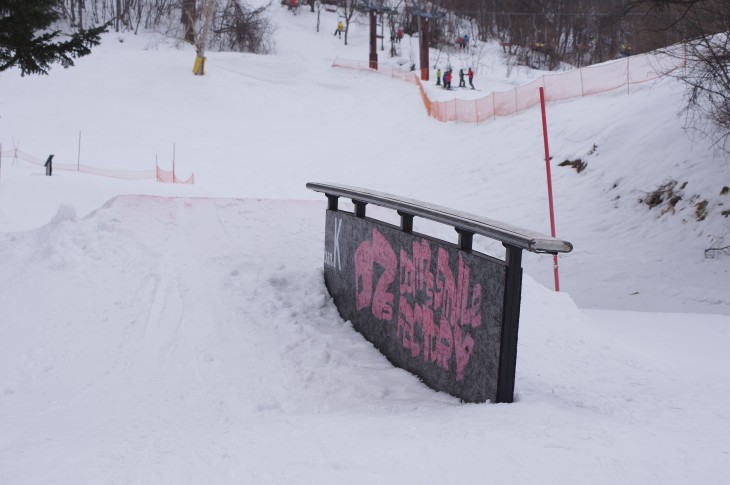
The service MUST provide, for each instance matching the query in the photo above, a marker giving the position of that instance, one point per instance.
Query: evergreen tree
(27, 39)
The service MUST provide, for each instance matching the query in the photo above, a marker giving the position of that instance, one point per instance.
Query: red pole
(549, 184)
(173, 163)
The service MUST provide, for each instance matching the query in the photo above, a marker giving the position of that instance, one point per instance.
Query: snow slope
(304, 121)
(154, 333)
(206, 350)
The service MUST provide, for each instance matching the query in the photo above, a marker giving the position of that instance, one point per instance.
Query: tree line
(232, 25)
(540, 33)
(548, 33)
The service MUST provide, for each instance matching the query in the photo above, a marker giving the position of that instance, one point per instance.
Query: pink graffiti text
(435, 310)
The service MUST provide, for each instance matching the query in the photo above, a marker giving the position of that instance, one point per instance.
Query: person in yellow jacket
(340, 28)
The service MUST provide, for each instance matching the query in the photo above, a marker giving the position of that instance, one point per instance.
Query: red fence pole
(173, 164)
(549, 184)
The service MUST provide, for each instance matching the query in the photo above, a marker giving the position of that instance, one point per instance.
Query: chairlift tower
(373, 8)
(424, 37)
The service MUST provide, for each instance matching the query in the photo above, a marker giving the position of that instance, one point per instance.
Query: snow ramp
(172, 340)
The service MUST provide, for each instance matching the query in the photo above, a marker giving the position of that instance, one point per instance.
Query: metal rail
(465, 224)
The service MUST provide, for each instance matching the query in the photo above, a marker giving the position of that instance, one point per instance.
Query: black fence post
(49, 165)
(510, 325)
(359, 208)
(332, 202)
(406, 222)
(466, 238)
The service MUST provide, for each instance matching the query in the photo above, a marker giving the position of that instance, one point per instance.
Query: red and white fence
(159, 174)
(584, 81)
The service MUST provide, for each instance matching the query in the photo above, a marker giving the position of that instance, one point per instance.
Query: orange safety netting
(170, 177)
(583, 81)
(164, 176)
(388, 70)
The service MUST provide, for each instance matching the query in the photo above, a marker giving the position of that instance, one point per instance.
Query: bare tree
(239, 28)
(188, 20)
(703, 27)
(232, 24)
(348, 9)
(317, 6)
(201, 40)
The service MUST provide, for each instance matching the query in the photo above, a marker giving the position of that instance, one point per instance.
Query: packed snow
(165, 333)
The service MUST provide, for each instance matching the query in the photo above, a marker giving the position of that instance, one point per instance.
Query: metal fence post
(510, 325)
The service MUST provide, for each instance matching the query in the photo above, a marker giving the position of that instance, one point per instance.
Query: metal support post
(359, 208)
(332, 202)
(466, 238)
(406, 222)
(510, 325)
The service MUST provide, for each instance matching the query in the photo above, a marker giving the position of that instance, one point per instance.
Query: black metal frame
(466, 225)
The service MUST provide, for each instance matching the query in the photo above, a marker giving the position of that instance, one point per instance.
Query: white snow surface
(158, 334)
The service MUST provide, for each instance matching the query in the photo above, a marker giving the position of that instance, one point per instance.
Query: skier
(470, 74)
(447, 79)
(339, 29)
(462, 84)
(466, 41)
(438, 77)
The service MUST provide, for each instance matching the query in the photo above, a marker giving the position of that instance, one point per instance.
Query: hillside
(306, 121)
(171, 333)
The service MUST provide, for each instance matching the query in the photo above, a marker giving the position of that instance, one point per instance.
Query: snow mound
(65, 212)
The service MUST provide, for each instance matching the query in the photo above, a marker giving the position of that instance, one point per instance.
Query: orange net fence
(579, 82)
(159, 174)
(170, 177)
(388, 70)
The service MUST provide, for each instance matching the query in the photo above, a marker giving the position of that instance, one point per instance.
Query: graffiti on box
(436, 307)
(332, 258)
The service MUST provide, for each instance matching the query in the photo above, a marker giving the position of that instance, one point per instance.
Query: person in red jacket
(470, 74)
(447, 79)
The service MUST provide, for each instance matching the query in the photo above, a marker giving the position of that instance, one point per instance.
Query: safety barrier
(583, 81)
(170, 177)
(159, 174)
(388, 70)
